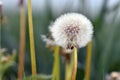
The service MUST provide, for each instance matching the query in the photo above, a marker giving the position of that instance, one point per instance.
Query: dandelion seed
(47, 40)
(72, 29)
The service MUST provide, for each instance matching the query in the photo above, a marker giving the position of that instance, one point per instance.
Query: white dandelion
(71, 29)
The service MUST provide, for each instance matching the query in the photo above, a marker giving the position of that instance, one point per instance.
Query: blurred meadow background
(104, 14)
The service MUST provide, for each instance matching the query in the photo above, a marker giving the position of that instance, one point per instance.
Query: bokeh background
(104, 14)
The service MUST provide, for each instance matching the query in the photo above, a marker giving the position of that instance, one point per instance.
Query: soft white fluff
(81, 30)
(47, 40)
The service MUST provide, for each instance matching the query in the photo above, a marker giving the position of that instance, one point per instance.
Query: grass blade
(22, 41)
(32, 48)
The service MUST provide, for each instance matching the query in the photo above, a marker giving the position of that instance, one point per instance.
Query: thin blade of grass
(32, 48)
(22, 41)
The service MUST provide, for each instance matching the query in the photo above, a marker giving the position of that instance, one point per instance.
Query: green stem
(88, 61)
(71, 67)
(74, 58)
(32, 48)
(56, 66)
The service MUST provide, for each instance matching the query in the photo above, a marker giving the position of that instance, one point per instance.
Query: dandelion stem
(88, 61)
(22, 41)
(32, 48)
(71, 67)
(74, 64)
(56, 66)
(67, 72)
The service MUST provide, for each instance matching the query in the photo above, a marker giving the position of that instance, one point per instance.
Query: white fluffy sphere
(72, 29)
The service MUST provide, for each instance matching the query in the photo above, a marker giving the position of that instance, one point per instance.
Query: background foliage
(106, 40)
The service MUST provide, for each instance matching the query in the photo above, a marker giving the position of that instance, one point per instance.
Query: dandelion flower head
(72, 29)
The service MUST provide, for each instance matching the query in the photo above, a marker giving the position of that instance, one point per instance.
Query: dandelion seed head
(72, 29)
